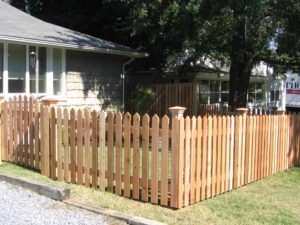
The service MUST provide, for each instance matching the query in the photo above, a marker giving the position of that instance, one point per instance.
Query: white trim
(5, 68)
(63, 82)
(27, 75)
(37, 62)
(49, 73)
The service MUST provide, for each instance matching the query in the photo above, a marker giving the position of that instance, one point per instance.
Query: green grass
(273, 200)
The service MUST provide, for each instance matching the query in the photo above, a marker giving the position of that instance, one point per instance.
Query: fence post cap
(49, 101)
(280, 111)
(177, 111)
(241, 111)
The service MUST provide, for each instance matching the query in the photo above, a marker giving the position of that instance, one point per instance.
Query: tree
(238, 32)
(176, 33)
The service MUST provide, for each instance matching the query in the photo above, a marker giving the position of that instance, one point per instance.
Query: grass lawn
(273, 200)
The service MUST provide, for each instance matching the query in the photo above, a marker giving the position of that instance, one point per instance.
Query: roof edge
(133, 54)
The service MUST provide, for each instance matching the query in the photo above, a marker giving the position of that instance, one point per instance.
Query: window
(214, 91)
(274, 95)
(42, 65)
(224, 91)
(16, 68)
(255, 93)
(57, 71)
(204, 92)
(31, 69)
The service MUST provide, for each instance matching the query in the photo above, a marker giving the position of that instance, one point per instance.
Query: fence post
(239, 147)
(1, 127)
(177, 156)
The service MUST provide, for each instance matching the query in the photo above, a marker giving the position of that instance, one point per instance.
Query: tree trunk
(241, 62)
(239, 82)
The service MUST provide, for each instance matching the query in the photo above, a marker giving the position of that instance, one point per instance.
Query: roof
(16, 25)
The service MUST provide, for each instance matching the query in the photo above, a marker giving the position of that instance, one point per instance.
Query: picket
(79, 147)
(119, 153)
(52, 143)
(136, 156)
(110, 152)
(59, 144)
(87, 138)
(145, 157)
(102, 151)
(165, 161)
(94, 149)
(127, 154)
(66, 146)
(154, 164)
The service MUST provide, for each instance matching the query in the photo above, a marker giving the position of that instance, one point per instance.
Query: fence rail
(172, 163)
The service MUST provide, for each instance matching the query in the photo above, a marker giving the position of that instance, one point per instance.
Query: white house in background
(284, 92)
(45, 60)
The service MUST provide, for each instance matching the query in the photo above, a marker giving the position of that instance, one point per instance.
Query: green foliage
(177, 33)
(117, 106)
(143, 98)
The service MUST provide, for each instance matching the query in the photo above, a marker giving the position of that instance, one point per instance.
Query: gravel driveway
(21, 206)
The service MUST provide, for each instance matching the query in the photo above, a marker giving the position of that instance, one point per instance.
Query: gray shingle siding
(93, 80)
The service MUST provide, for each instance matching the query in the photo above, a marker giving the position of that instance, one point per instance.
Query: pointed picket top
(127, 116)
(165, 119)
(155, 117)
(66, 112)
(103, 114)
(146, 117)
(110, 115)
(119, 115)
(79, 113)
(72, 112)
(58, 110)
(136, 117)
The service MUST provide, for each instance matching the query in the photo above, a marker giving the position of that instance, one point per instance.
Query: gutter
(123, 76)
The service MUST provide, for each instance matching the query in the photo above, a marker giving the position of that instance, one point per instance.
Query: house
(44, 60)
(212, 81)
(284, 92)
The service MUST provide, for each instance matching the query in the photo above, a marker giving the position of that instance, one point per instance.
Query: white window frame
(49, 71)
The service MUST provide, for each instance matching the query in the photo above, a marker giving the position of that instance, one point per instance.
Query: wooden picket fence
(144, 158)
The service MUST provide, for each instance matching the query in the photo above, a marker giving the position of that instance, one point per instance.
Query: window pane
(214, 98)
(42, 69)
(272, 97)
(203, 98)
(251, 87)
(277, 93)
(1, 67)
(214, 86)
(16, 68)
(32, 68)
(204, 86)
(224, 97)
(258, 97)
(258, 88)
(251, 97)
(57, 71)
(225, 86)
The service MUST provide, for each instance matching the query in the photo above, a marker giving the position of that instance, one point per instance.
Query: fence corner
(176, 178)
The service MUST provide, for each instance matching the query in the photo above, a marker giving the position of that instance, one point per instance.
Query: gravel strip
(24, 207)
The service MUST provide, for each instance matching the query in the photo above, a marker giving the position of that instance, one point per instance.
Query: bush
(143, 98)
